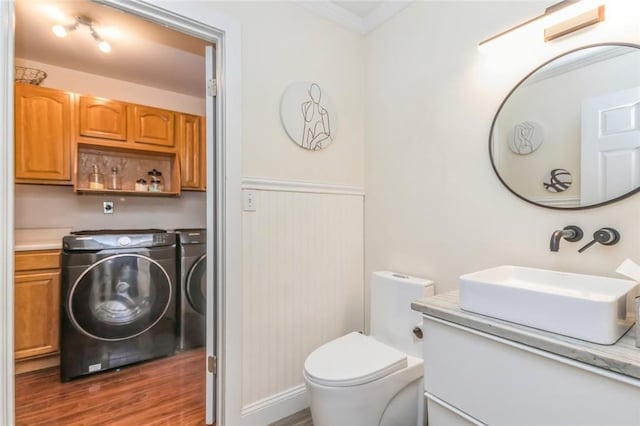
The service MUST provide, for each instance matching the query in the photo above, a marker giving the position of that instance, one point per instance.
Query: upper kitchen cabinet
(191, 140)
(116, 124)
(102, 118)
(152, 126)
(42, 134)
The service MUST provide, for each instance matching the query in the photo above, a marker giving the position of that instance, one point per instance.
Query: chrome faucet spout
(570, 233)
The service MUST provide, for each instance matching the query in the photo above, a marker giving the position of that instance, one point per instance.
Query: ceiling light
(59, 30)
(63, 30)
(104, 46)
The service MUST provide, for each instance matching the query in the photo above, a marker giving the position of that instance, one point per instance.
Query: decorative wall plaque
(526, 137)
(559, 180)
(308, 115)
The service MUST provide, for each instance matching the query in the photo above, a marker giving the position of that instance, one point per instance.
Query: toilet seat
(353, 359)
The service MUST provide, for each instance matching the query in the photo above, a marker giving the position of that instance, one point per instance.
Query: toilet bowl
(358, 380)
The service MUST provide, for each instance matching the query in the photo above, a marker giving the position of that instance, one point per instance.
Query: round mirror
(568, 135)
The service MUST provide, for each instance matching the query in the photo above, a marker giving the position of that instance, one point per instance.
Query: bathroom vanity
(480, 370)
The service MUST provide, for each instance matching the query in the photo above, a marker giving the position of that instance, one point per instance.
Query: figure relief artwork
(308, 115)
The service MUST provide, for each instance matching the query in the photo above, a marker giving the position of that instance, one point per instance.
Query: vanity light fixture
(577, 14)
(62, 31)
(576, 23)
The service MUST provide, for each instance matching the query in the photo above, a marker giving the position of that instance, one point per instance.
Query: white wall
(434, 207)
(303, 286)
(283, 43)
(47, 206)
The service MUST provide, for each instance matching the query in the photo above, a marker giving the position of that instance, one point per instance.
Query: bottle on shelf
(115, 180)
(141, 185)
(156, 181)
(96, 179)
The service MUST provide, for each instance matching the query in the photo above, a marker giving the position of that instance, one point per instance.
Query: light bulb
(59, 30)
(104, 46)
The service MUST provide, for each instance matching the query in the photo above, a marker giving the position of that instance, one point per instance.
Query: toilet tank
(392, 319)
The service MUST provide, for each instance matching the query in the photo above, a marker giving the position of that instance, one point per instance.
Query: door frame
(224, 157)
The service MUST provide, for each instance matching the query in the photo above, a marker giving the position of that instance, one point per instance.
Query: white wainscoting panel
(302, 285)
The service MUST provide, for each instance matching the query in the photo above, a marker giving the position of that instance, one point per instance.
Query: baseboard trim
(275, 407)
(28, 365)
(267, 184)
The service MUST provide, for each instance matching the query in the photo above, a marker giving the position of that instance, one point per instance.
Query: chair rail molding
(287, 185)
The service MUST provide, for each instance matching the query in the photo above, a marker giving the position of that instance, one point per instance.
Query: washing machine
(192, 299)
(118, 299)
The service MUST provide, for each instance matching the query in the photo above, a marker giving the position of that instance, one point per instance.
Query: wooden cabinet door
(152, 126)
(42, 133)
(102, 118)
(37, 313)
(193, 161)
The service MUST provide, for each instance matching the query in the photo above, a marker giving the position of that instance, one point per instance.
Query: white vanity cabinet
(472, 377)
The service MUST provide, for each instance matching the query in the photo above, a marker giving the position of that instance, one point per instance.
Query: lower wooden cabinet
(36, 306)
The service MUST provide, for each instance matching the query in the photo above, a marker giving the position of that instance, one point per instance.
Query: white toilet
(358, 380)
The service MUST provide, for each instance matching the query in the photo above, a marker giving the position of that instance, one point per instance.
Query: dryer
(192, 298)
(118, 299)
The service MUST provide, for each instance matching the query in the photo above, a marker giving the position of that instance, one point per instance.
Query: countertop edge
(27, 239)
(538, 339)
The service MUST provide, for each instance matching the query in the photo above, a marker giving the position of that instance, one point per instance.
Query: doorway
(224, 155)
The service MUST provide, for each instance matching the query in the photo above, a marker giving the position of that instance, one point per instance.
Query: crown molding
(382, 13)
(343, 17)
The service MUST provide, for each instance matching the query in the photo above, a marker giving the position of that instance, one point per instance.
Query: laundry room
(110, 215)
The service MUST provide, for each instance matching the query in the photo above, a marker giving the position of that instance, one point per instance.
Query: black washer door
(119, 297)
(197, 285)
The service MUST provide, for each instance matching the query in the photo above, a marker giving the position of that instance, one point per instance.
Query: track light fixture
(62, 31)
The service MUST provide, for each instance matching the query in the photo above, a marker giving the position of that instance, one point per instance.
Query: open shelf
(126, 192)
(132, 165)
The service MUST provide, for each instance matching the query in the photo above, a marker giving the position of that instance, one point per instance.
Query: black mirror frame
(495, 118)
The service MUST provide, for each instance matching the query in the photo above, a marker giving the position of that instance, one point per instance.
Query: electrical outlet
(249, 196)
(107, 207)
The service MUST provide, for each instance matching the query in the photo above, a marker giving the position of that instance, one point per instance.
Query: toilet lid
(353, 359)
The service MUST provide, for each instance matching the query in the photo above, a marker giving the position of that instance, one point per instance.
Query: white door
(213, 233)
(610, 162)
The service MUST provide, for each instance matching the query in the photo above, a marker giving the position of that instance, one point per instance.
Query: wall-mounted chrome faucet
(604, 236)
(570, 233)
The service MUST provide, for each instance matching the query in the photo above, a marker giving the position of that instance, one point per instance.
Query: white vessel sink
(585, 307)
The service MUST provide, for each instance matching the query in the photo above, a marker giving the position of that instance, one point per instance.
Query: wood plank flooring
(301, 418)
(168, 391)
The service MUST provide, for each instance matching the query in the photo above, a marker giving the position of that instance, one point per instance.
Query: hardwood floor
(301, 418)
(168, 391)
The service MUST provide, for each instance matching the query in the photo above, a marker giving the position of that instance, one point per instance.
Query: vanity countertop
(39, 239)
(623, 357)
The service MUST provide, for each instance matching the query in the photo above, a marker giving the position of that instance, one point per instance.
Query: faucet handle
(604, 236)
(577, 233)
